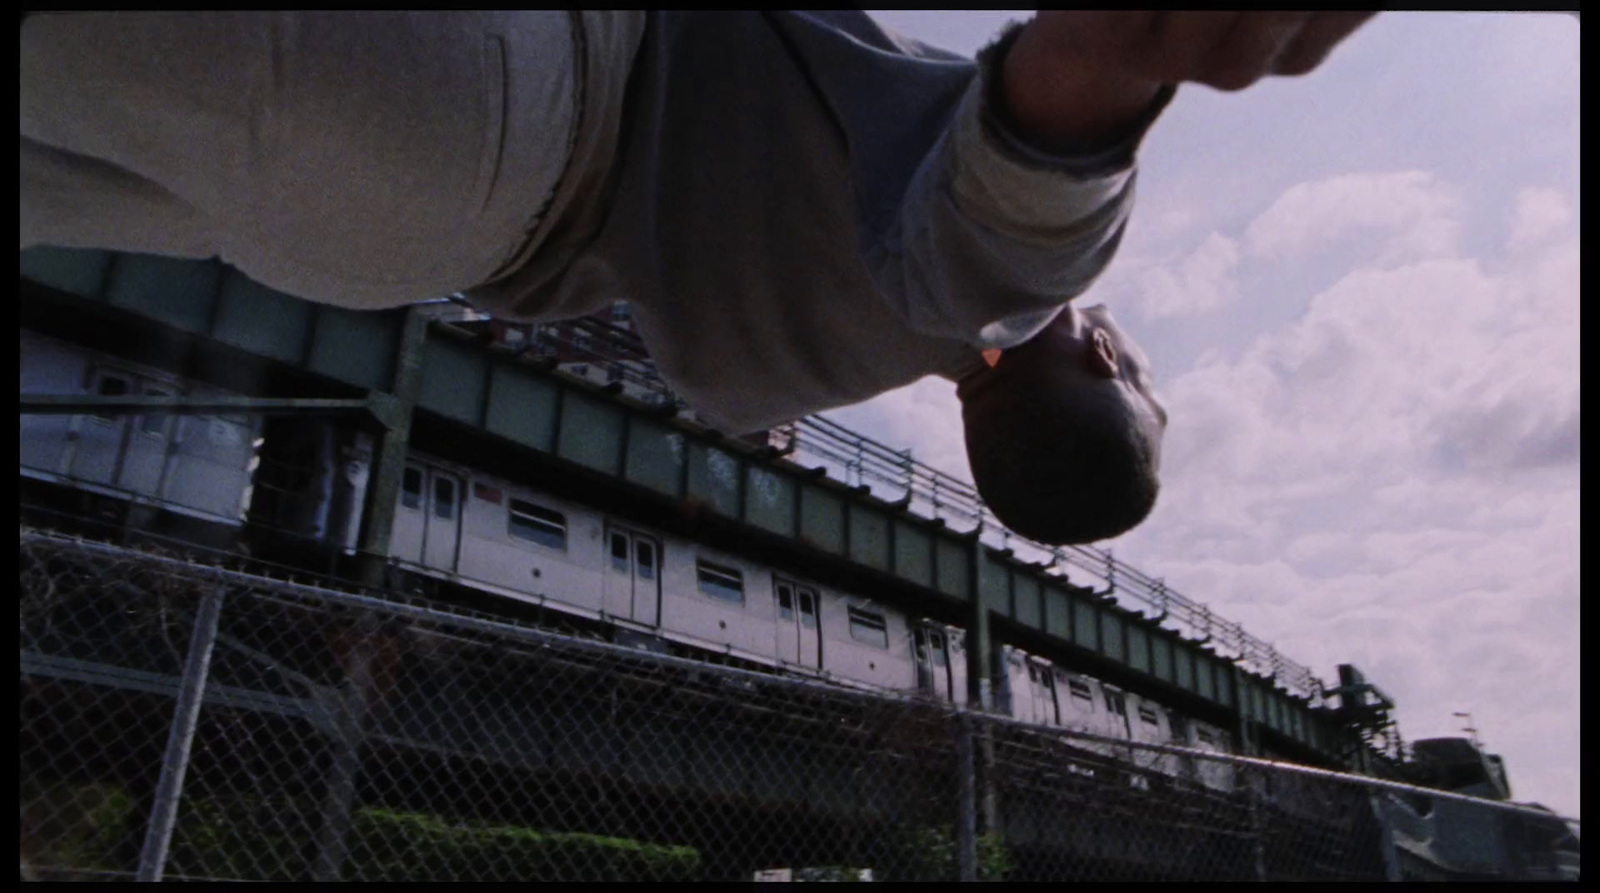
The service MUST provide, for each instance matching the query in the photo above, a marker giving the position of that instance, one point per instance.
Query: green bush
(81, 828)
(242, 839)
(78, 827)
(391, 846)
(923, 853)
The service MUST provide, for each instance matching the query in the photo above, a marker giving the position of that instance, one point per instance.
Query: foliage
(274, 840)
(409, 847)
(76, 828)
(925, 853)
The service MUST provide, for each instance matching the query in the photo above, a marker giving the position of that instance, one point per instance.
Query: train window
(868, 628)
(808, 611)
(1080, 690)
(444, 498)
(619, 553)
(936, 640)
(785, 603)
(111, 386)
(647, 560)
(411, 488)
(154, 422)
(537, 524)
(723, 583)
(1148, 716)
(1116, 703)
(1205, 737)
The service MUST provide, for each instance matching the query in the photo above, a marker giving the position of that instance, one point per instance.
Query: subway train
(460, 526)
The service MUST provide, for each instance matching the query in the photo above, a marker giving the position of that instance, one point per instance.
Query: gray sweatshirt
(804, 211)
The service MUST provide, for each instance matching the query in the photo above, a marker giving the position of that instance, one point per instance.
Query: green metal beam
(67, 404)
(388, 465)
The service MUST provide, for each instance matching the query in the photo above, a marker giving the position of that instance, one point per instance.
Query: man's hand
(1075, 76)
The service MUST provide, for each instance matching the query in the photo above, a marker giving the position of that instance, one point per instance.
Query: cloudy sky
(1359, 290)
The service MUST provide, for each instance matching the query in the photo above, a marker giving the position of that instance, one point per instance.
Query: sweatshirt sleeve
(993, 237)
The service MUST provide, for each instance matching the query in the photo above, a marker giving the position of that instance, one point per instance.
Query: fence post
(185, 716)
(967, 820)
(333, 845)
(1258, 832)
(1391, 859)
(980, 683)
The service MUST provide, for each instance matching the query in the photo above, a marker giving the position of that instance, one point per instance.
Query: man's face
(1131, 366)
(1080, 351)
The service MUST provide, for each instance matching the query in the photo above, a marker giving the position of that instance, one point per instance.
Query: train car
(489, 533)
(195, 466)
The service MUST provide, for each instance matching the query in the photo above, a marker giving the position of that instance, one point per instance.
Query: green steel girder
(72, 404)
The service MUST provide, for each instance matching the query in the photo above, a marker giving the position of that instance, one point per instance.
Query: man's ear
(1103, 354)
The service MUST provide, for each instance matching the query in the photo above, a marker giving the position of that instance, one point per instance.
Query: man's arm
(1080, 77)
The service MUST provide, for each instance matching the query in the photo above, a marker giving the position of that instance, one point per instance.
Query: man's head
(1064, 432)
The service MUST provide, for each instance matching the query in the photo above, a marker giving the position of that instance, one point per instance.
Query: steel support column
(377, 522)
(389, 458)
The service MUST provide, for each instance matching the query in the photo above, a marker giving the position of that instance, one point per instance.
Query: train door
(410, 516)
(441, 536)
(633, 581)
(1116, 723)
(933, 662)
(955, 641)
(1042, 679)
(144, 461)
(798, 638)
(99, 440)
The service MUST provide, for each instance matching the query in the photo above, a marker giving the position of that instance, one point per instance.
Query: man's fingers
(1317, 39)
(1225, 50)
(1178, 45)
(1250, 50)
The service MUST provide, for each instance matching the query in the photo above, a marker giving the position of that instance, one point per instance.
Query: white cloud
(1391, 479)
(1414, 215)
(1542, 214)
(1202, 281)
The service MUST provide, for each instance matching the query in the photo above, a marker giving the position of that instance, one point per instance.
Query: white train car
(197, 465)
(455, 523)
(462, 525)
(1215, 774)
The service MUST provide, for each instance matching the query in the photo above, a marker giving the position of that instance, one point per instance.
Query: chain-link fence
(187, 720)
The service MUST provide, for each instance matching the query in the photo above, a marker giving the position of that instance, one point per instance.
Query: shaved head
(1063, 435)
